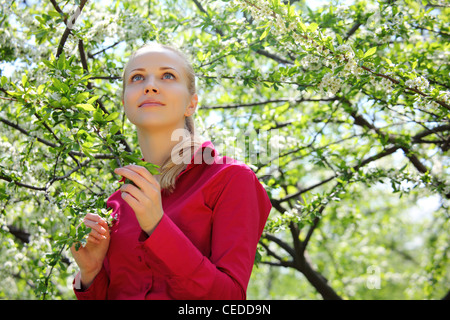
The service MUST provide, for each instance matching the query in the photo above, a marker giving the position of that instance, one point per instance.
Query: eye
(168, 76)
(137, 77)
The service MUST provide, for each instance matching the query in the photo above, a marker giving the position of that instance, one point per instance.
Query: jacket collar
(200, 156)
(205, 154)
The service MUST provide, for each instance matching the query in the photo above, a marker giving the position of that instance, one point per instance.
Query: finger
(139, 175)
(96, 219)
(144, 173)
(96, 235)
(92, 216)
(97, 226)
(133, 191)
(91, 239)
(104, 224)
(136, 178)
(134, 204)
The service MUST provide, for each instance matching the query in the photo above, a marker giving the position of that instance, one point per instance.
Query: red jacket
(204, 246)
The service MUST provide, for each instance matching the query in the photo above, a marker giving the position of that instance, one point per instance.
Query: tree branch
(352, 30)
(280, 243)
(92, 55)
(415, 89)
(422, 134)
(68, 29)
(259, 51)
(311, 230)
(380, 155)
(20, 184)
(253, 104)
(19, 234)
(318, 281)
(281, 262)
(51, 144)
(58, 9)
(361, 121)
(83, 56)
(99, 102)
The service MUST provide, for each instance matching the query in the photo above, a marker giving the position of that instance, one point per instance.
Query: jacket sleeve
(96, 291)
(239, 216)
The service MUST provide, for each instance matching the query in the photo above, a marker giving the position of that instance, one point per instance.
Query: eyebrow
(161, 68)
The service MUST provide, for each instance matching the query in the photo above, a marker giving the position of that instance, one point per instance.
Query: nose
(151, 86)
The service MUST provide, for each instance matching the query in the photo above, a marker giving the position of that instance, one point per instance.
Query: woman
(189, 232)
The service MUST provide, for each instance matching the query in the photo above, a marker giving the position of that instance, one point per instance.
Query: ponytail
(180, 157)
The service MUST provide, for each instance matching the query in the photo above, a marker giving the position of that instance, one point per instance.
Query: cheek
(130, 95)
(181, 94)
(129, 99)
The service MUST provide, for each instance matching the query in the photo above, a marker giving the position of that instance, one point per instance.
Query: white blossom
(330, 83)
(419, 82)
(121, 147)
(346, 50)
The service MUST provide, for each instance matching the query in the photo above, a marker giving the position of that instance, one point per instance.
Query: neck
(156, 145)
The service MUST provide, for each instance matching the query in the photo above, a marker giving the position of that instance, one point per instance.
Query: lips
(151, 103)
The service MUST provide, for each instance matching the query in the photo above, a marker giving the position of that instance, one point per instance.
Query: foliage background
(354, 95)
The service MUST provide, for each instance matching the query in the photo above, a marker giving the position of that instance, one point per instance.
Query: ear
(190, 109)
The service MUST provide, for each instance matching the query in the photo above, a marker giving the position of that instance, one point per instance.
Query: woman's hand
(144, 198)
(90, 257)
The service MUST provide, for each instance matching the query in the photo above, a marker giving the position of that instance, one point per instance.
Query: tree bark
(318, 281)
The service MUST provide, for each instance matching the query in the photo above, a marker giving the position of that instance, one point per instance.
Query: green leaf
(48, 64)
(85, 106)
(24, 80)
(112, 116)
(265, 33)
(40, 89)
(82, 96)
(4, 81)
(200, 55)
(92, 100)
(114, 129)
(388, 61)
(313, 27)
(359, 54)
(149, 166)
(370, 52)
(61, 63)
(98, 116)
(302, 25)
(133, 158)
(339, 39)
(86, 151)
(57, 84)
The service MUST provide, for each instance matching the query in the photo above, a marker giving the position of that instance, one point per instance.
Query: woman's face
(156, 94)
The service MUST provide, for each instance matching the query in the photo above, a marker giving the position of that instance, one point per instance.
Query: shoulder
(215, 173)
(228, 177)
(235, 187)
(214, 164)
(227, 169)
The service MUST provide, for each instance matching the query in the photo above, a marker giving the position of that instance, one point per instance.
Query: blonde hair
(183, 151)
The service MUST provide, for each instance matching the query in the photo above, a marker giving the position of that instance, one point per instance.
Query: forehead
(155, 57)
